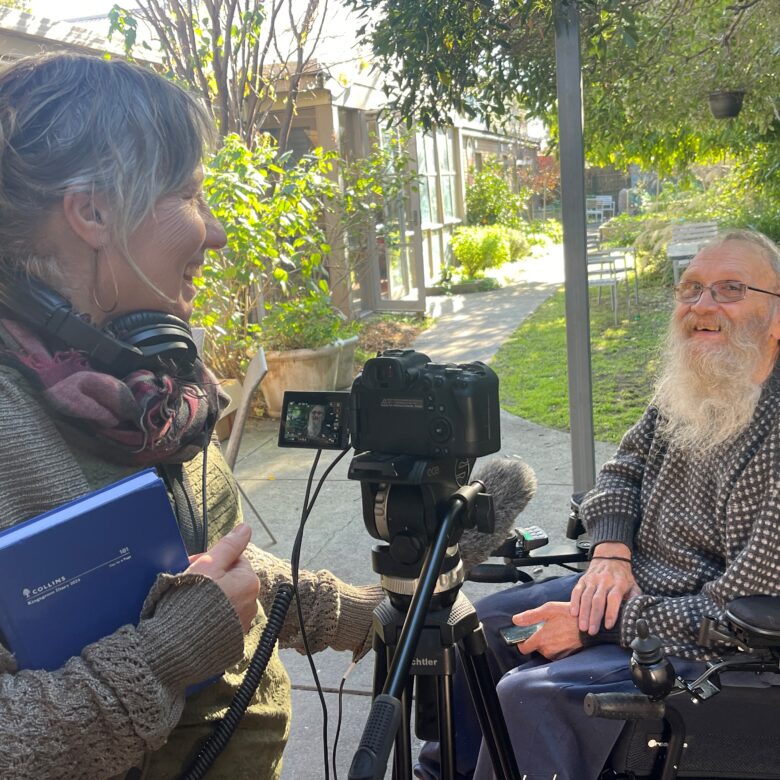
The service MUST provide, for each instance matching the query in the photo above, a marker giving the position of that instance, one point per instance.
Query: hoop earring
(105, 310)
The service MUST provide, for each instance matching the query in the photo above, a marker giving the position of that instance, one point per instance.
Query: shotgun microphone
(512, 483)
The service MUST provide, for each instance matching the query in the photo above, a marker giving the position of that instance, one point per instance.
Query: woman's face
(168, 247)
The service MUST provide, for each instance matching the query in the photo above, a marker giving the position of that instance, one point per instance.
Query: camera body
(402, 403)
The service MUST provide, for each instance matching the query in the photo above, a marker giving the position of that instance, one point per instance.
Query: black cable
(295, 560)
(224, 728)
(203, 484)
(338, 722)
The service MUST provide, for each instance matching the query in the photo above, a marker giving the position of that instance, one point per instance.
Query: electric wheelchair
(676, 728)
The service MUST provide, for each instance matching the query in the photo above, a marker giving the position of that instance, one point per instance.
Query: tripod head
(404, 498)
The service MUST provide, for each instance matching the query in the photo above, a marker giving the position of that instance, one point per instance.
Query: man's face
(708, 325)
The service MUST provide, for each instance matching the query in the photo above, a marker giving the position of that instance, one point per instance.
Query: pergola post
(572, 156)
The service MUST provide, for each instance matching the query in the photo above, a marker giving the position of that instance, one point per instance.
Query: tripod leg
(402, 768)
(402, 754)
(446, 726)
(487, 705)
(380, 665)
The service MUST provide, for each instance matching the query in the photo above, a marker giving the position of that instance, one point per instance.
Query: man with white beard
(684, 518)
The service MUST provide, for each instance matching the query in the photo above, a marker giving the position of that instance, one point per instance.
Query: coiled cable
(225, 727)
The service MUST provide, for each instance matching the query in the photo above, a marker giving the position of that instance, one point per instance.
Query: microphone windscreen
(512, 483)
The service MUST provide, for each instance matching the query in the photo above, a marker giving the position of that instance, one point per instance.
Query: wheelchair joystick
(651, 671)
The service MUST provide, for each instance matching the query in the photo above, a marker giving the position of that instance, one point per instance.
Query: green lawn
(532, 363)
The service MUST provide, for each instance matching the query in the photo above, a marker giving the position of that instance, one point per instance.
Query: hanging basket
(726, 103)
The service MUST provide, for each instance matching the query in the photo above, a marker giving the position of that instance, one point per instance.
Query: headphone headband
(138, 340)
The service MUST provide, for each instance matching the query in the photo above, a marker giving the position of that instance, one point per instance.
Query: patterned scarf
(143, 419)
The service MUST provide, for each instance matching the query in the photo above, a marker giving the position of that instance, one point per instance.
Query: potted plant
(303, 338)
(726, 103)
(729, 74)
(271, 208)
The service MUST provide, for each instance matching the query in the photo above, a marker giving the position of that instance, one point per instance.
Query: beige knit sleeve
(125, 691)
(336, 614)
(99, 713)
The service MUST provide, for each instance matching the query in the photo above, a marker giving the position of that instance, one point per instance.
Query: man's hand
(598, 594)
(225, 564)
(559, 635)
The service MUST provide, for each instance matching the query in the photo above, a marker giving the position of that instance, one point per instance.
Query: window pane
(433, 200)
(448, 195)
(430, 155)
(421, 166)
(425, 201)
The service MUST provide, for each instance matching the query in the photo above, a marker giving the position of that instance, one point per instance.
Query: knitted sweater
(703, 532)
(127, 690)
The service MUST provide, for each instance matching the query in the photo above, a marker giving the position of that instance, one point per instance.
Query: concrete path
(335, 536)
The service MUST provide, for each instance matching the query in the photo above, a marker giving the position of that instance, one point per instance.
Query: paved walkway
(336, 537)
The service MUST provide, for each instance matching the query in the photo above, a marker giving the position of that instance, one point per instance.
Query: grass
(531, 364)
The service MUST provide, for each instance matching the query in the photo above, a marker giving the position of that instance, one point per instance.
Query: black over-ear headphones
(140, 339)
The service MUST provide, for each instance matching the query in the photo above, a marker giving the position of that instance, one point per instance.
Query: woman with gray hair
(103, 228)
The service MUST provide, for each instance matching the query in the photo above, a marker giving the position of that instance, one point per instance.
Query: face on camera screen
(307, 423)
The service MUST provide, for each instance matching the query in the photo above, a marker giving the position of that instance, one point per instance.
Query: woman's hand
(599, 593)
(559, 634)
(225, 564)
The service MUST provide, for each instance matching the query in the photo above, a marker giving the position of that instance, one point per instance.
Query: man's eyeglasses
(726, 291)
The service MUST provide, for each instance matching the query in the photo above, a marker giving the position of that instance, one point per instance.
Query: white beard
(707, 397)
(314, 428)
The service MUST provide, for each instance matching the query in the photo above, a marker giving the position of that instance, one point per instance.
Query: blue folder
(79, 572)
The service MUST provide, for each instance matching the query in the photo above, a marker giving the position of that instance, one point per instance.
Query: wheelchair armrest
(755, 620)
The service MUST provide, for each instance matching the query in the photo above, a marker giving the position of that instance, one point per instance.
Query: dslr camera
(402, 404)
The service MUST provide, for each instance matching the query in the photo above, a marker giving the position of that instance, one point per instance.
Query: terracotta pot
(726, 103)
(298, 369)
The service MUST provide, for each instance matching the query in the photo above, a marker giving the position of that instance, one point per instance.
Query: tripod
(419, 642)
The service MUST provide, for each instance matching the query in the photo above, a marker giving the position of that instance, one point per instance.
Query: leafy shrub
(549, 228)
(272, 210)
(519, 244)
(306, 322)
(623, 229)
(478, 248)
(490, 200)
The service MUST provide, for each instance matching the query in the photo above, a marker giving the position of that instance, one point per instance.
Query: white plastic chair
(255, 372)
(687, 239)
(601, 273)
(624, 258)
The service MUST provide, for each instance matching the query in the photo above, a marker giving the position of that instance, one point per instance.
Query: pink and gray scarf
(146, 418)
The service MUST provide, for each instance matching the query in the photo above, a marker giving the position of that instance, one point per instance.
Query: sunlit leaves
(272, 210)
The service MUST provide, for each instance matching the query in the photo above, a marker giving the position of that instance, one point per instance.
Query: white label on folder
(58, 584)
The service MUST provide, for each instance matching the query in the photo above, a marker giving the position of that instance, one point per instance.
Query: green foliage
(551, 229)
(305, 322)
(519, 243)
(232, 53)
(271, 209)
(648, 66)
(731, 194)
(480, 247)
(124, 23)
(478, 58)
(648, 103)
(490, 200)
